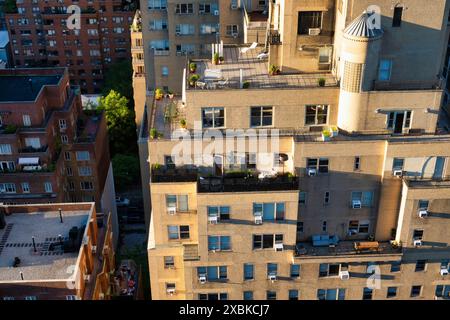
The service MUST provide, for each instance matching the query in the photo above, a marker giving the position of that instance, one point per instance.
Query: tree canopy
(126, 171)
(119, 77)
(120, 121)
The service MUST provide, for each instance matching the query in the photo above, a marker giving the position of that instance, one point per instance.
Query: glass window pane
(269, 211)
(183, 203)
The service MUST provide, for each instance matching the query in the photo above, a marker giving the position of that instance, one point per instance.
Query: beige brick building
(355, 202)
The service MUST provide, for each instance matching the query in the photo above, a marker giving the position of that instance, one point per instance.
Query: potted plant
(221, 59)
(159, 94)
(192, 67)
(246, 85)
(321, 82)
(183, 123)
(193, 79)
(274, 70)
(334, 131)
(326, 135)
(154, 134)
(216, 58)
(170, 94)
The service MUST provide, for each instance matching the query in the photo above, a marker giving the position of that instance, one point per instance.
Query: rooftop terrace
(255, 70)
(49, 262)
(24, 87)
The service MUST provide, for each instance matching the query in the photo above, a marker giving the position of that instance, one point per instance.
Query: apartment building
(45, 34)
(61, 251)
(51, 150)
(355, 201)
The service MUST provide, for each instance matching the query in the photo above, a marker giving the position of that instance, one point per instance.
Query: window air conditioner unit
(234, 6)
(178, 33)
(398, 173)
(234, 35)
(444, 271)
(417, 243)
(216, 12)
(172, 210)
(356, 204)
(170, 291)
(423, 213)
(272, 277)
(314, 31)
(87, 277)
(344, 275)
(311, 172)
(212, 220)
(202, 279)
(278, 247)
(258, 220)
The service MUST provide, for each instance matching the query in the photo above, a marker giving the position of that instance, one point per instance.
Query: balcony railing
(33, 150)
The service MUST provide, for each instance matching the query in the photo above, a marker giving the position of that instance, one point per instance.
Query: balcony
(162, 174)
(28, 150)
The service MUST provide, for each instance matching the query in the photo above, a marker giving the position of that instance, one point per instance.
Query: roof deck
(255, 71)
(48, 261)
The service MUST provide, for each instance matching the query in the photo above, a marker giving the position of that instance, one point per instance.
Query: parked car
(122, 202)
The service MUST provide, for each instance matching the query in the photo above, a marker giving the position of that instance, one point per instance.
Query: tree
(120, 122)
(119, 77)
(126, 171)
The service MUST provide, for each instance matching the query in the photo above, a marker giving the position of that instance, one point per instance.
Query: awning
(24, 161)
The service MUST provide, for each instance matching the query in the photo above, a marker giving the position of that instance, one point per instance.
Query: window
(269, 211)
(71, 297)
(385, 69)
(219, 243)
(295, 270)
(159, 45)
(180, 202)
(396, 266)
(248, 295)
(232, 30)
(67, 156)
(357, 164)
(26, 120)
(328, 270)
(86, 185)
(357, 226)
(416, 291)
(210, 28)
(5, 149)
(399, 120)
(366, 197)
(157, 4)
(397, 19)
(324, 226)
(213, 117)
(271, 295)
(398, 164)
(165, 71)
(7, 188)
(8, 298)
(299, 226)
(85, 171)
(266, 241)
(321, 164)
(331, 294)
(423, 204)
(248, 271)
(169, 262)
(82, 156)
(213, 296)
(184, 8)
(62, 124)
(223, 213)
(421, 265)
(25, 187)
(326, 197)
(391, 292)
(302, 198)
(261, 116)
(442, 291)
(34, 143)
(308, 20)
(30, 298)
(184, 29)
(158, 25)
(293, 294)
(213, 273)
(178, 232)
(48, 187)
(367, 294)
(417, 234)
(316, 115)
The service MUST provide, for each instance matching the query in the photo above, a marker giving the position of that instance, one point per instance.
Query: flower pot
(326, 137)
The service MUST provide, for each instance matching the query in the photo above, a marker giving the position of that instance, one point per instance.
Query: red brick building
(40, 37)
(50, 150)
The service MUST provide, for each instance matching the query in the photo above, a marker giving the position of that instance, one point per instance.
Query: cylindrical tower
(361, 45)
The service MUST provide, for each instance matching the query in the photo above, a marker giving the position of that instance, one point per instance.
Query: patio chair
(200, 84)
(263, 56)
(223, 83)
(253, 46)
